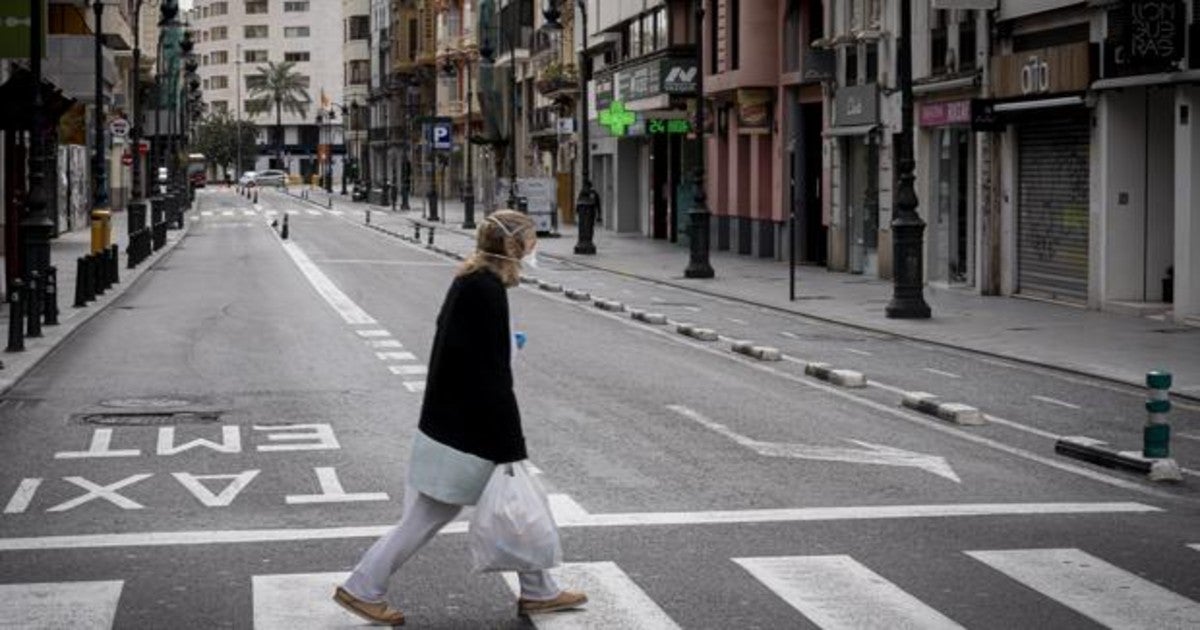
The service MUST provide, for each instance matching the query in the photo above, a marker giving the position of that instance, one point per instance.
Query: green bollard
(1156, 436)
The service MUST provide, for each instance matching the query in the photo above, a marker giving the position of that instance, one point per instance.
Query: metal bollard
(89, 280)
(368, 216)
(50, 301)
(115, 262)
(417, 232)
(430, 242)
(284, 232)
(1156, 436)
(81, 272)
(33, 302)
(16, 317)
(255, 195)
(98, 274)
(329, 203)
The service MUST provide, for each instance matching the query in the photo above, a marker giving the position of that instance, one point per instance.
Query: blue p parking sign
(442, 140)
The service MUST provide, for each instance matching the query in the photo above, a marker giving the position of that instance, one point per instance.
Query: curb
(1097, 452)
(843, 378)
(657, 319)
(762, 353)
(957, 413)
(695, 332)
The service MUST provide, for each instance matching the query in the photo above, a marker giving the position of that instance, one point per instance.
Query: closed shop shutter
(1052, 208)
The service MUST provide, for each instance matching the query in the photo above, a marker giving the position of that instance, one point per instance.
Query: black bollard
(33, 305)
(89, 280)
(114, 269)
(368, 216)
(16, 317)
(98, 274)
(417, 232)
(50, 301)
(80, 282)
(284, 233)
(431, 236)
(329, 203)
(255, 195)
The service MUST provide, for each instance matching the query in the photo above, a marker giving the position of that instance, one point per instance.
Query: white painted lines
(836, 592)
(50, 606)
(336, 213)
(789, 335)
(333, 492)
(384, 343)
(1094, 588)
(21, 498)
(227, 213)
(415, 387)
(299, 601)
(861, 353)
(396, 356)
(739, 322)
(315, 213)
(373, 333)
(1055, 401)
(293, 212)
(206, 213)
(249, 213)
(340, 302)
(1196, 547)
(1189, 436)
(614, 600)
(408, 370)
(942, 373)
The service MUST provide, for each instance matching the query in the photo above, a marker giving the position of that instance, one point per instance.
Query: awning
(852, 130)
(1144, 80)
(1043, 103)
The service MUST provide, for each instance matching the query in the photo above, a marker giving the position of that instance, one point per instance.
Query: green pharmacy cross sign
(617, 118)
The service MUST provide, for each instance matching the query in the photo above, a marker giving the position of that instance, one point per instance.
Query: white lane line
(415, 387)
(340, 302)
(942, 373)
(836, 592)
(22, 497)
(299, 601)
(271, 213)
(1022, 427)
(396, 356)
(1196, 547)
(227, 213)
(412, 263)
(1055, 401)
(614, 600)
(315, 213)
(373, 333)
(694, 309)
(385, 343)
(249, 213)
(206, 213)
(336, 213)
(789, 335)
(569, 514)
(863, 353)
(409, 370)
(1189, 436)
(739, 322)
(53, 605)
(1094, 588)
(293, 212)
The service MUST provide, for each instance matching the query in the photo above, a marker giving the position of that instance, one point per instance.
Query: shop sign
(945, 113)
(16, 20)
(820, 65)
(1145, 36)
(754, 108)
(679, 76)
(668, 126)
(1045, 71)
(638, 82)
(617, 119)
(856, 105)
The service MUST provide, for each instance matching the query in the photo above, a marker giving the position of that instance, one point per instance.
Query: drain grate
(148, 418)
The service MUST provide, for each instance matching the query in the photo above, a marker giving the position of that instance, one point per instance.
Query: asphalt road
(229, 436)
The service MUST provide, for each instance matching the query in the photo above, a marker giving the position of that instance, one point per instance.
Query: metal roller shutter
(1052, 208)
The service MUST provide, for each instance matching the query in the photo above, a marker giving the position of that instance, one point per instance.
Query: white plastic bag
(512, 528)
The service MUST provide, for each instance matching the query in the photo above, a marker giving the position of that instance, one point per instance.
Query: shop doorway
(862, 205)
(953, 247)
(660, 187)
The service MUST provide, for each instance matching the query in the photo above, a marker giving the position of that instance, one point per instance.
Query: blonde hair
(500, 241)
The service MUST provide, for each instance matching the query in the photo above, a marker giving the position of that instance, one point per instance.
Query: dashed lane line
(350, 312)
(942, 373)
(1055, 401)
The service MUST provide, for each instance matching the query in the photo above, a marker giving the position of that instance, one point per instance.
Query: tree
(217, 137)
(280, 85)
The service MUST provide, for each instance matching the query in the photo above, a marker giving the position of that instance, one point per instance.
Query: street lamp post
(36, 226)
(698, 265)
(136, 101)
(908, 300)
(99, 183)
(469, 192)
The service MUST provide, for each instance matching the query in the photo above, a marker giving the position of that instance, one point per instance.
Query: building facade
(356, 56)
(236, 41)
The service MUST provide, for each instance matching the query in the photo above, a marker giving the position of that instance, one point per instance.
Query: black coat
(469, 400)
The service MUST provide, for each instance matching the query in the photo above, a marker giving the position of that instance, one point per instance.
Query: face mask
(530, 260)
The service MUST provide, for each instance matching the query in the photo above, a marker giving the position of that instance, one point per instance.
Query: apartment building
(356, 55)
(236, 40)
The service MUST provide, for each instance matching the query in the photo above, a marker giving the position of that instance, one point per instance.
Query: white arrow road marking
(870, 454)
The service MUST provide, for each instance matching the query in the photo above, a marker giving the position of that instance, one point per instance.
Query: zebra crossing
(831, 591)
(211, 215)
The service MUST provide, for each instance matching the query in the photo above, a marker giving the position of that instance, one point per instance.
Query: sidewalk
(1115, 347)
(64, 251)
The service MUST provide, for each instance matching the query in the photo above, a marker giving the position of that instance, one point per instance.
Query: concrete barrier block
(550, 287)
(609, 305)
(702, 334)
(848, 378)
(959, 413)
(767, 353)
(578, 296)
(657, 319)
(1098, 452)
(528, 280)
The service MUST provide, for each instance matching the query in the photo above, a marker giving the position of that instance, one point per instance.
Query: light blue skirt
(445, 473)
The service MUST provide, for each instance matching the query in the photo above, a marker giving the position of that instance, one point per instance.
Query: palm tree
(277, 83)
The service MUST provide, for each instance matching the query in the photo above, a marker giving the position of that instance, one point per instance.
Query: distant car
(271, 178)
(247, 178)
(199, 179)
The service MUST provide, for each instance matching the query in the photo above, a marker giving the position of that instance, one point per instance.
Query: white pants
(423, 517)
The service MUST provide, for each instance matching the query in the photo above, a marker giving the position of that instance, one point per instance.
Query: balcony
(453, 108)
(558, 81)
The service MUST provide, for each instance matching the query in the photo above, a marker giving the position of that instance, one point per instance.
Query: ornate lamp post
(99, 179)
(698, 265)
(908, 300)
(468, 195)
(36, 226)
(588, 201)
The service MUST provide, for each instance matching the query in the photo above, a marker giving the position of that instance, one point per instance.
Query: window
(635, 40)
(219, 33)
(358, 27)
(219, 82)
(254, 81)
(204, 84)
(711, 16)
(735, 35)
(219, 57)
(966, 41)
(254, 56)
(297, 56)
(938, 42)
(295, 31)
(359, 72)
(649, 42)
(204, 60)
(219, 106)
(256, 7)
(300, 6)
(661, 33)
(218, 8)
(259, 31)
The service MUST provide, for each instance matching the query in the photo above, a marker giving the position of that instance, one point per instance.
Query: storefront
(1047, 141)
(945, 126)
(854, 231)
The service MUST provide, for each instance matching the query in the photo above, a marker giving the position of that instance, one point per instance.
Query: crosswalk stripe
(415, 387)
(249, 213)
(409, 370)
(373, 333)
(396, 356)
(299, 601)
(614, 600)
(315, 213)
(293, 212)
(837, 592)
(227, 213)
(55, 605)
(1094, 588)
(385, 343)
(206, 213)
(336, 213)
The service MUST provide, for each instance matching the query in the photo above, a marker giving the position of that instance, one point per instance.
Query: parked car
(199, 179)
(271, 177)
(247, 178)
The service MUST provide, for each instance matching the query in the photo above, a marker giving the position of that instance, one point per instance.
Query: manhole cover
(148, 418)
(145, 403)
